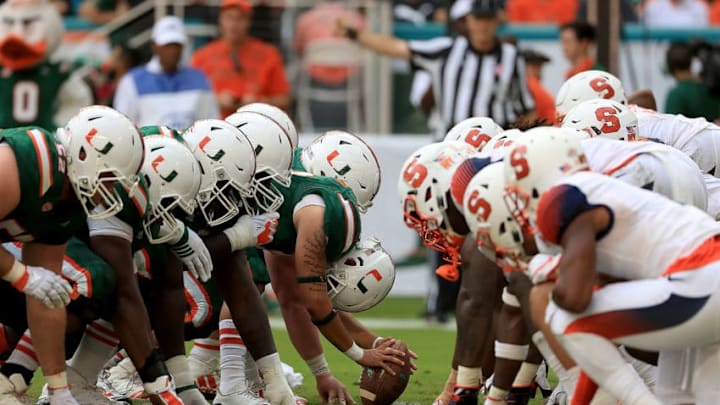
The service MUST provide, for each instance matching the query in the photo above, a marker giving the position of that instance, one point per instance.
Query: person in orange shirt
(577, 40)
(544, 101)
(541, 11)
(242, 69)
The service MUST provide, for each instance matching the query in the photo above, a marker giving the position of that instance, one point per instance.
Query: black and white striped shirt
(467, 83)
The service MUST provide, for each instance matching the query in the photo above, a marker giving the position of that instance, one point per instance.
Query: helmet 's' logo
(217, 156)
(89, 137)
(373, 273)
(156, 162)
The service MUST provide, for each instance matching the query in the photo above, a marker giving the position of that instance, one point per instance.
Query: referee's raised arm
(380, 43)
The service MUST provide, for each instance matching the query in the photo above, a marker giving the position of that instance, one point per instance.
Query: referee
(472, 75)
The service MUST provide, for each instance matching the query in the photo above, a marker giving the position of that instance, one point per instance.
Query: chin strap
(451, 270)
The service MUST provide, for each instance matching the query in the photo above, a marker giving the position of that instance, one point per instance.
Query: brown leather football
(380, 388)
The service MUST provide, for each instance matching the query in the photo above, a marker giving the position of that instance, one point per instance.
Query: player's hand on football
(252, 230)
(389, 342)
(332, 391)
(50, 288)
(382, 356)
(191, 250)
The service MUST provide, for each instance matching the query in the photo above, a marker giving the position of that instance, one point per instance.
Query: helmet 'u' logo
(217, 156)
(156, 162)
(373, 273)
(330, 157)
(89, 137)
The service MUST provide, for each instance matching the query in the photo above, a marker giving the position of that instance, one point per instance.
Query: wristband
(318, 365)
(352, 34)
(354, 352)
(17, 276)
(376, 341)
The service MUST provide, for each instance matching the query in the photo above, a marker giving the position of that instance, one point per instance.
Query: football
(380, 388)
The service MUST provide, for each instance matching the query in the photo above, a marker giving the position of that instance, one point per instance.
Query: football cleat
(81, 389)
(520, 395)
(238, 398)
(464, 396)
(121, 383)
(8, 394)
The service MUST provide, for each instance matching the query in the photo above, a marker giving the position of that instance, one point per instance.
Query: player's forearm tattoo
(314, 252)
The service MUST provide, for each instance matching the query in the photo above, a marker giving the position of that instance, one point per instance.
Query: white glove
(251, 231)
(543, 268)
(50, 288)
(191, 250)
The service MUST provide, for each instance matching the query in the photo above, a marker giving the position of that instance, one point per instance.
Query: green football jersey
(30, 95)
(40, 216)
(297, 163)
(341, 223)
(135, 206)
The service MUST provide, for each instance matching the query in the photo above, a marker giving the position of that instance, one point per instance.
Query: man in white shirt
(676, 14)
(165, 92)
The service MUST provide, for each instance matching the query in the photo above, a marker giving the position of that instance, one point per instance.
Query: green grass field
(432, 343)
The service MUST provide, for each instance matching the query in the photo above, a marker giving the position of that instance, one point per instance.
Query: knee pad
(511, 351)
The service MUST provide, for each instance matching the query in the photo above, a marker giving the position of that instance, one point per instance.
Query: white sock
(252, 375)
(207, 351)
(24, 353)
(601, 360)
(97, 345)
(526, 375)
(232, 359)
(179, 370)
(469, 377)
(277, 388)
(496, 396)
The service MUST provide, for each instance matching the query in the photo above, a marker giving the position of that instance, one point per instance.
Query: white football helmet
(588, 85)
(475, 131)
(362, 278)
(497, 146)
(173, 179)
(104, 150)
(424, 186)
(276, 115)
(600, 117)
(497, 234)
(347, 158)
(273, 154)
(227, 164)
(535, 162)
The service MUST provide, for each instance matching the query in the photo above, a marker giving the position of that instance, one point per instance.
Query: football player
(318, 224)
(49, 190)
(547, 173)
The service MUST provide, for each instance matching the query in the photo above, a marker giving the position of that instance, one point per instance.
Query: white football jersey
(675, 130)
(647, 233)
(605, 155)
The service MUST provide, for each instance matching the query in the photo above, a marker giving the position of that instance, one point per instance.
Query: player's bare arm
(310, 262)
(574, 288)
(10, 184)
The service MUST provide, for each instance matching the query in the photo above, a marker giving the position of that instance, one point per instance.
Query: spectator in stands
(544, 101)
(676, 14)
(242, 69)
(164, 92)
(541, 11)
(419, 11)
(690, 96)
(578, 40)
(104, 11)
(312, 26)
(715, 12)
